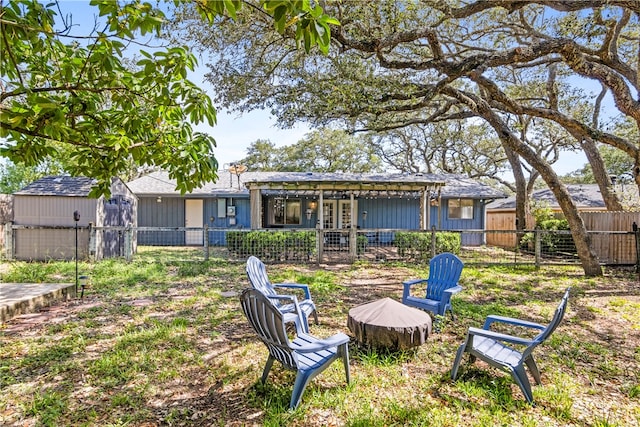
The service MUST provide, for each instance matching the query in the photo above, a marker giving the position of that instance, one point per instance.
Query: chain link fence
(536, 247)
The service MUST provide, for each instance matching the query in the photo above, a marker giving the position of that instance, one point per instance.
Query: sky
(234, 133)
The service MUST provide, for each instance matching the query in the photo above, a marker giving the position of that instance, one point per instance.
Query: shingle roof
(159, 183)
(584, 196)
(464, 187)
(70, 186)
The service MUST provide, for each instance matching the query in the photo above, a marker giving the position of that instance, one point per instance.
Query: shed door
(193, 217)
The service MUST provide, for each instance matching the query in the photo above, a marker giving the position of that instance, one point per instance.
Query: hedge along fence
(421, 246)
(273, 245)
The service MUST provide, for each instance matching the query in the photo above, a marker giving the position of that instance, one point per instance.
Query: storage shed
(45, 227)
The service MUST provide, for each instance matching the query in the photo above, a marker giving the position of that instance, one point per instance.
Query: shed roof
(70, 186)
(583, 195)
(230, 184)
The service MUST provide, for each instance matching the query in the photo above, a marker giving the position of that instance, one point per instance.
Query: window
(460, 208)
(284, 211)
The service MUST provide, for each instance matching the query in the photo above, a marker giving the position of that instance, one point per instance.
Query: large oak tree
(394, 64)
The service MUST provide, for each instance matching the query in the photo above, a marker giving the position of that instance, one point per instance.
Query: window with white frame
(461, 208)
(284, 211)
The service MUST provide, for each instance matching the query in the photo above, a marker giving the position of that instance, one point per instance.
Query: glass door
(329, 214)
(345, 217)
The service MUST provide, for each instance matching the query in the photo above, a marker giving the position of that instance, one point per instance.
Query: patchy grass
(162, 341)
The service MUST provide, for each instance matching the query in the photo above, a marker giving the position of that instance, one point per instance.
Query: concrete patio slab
(21, 298)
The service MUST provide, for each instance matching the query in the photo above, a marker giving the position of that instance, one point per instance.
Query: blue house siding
(243, 218)
(387, 213)
(446, 223)
(390, 213)
(169, 212)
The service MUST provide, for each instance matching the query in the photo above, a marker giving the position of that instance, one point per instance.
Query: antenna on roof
(237, 169)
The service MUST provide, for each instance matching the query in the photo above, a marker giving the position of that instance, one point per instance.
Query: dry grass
(165, 343)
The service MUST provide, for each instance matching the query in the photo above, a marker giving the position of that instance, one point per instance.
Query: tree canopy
(72, 93)
(324, 150)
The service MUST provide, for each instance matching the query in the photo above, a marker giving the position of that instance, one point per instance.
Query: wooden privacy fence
(617, 248)
(612, 234)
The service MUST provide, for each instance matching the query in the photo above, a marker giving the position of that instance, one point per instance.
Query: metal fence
(536, 247)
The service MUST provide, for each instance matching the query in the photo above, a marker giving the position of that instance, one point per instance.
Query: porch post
(439, 210)
(424, 209)
(320, 225)
(255, 200)
(321, 209)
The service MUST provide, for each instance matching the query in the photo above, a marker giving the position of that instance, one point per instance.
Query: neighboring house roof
(230, 184)
(584, 196)
(69, 186)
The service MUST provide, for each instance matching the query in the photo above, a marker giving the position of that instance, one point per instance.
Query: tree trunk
(601, 175)
(522, 198)
(480, 106)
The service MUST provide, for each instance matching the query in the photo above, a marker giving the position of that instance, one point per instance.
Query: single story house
(329, 201)
(45, 213)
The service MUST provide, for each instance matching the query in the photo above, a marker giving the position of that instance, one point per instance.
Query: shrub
(272, 245)
(551, 241)
(416, 245)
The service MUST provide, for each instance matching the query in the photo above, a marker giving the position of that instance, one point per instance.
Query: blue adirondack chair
(305, 353)
(494, 348)
(444, 273)
(257, 273)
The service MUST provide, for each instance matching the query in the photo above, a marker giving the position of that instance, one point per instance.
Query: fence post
(353, 250)
(320, 243)
(8, 240)
(433, 241)
(206, 242)
(128, 244)
(92, 242)
(637, 234)
(538, 245)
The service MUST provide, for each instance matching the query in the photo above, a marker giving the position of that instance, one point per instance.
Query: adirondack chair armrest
(292, 298)
(406, 292)
(413, 282)
(453, 290)
(323, 344)
(305, 288)
(511, 321)
(498, 336)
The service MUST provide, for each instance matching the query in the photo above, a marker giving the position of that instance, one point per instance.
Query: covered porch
(331, 202)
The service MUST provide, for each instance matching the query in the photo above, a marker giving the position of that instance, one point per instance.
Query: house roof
(230, 184)
(70, 186)
(160, 184)
(583, 195)
(464, 187)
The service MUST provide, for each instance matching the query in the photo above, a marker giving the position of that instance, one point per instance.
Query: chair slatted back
(557, 318)
(444, 272)
(267, 321)
(257, 273)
